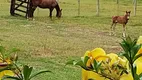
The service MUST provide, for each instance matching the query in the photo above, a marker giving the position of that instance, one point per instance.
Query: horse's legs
(114, 28)
(50, 15)
(111, 28)
(31, 11)
(124, 30)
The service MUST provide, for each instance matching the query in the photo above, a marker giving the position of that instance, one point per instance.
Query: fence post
(117, 2)
(98, 7)
(28, 8)
(135, 7)
(12, 7)
(78, 7)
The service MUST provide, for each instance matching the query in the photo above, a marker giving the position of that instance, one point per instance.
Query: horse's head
(128, 14)
(59, 13)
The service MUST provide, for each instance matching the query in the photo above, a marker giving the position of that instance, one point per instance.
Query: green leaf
(38, 73)
(136, 77)
(128, 39)
(134, 72)
(13, 50)
(27, 72)
(81, 64)
(134, 50)
(72, 62)
(134, 42)
(140, 76)
(96, 65)
(127, 44)
(5, 68)
(134, 68)
(126, 55)
(99, 64)
(2, 51)
(86, 60)
(137, 56)
(124, 46)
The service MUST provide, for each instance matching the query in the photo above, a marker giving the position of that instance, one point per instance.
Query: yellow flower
(100, 55)
(126, 77)
(97, 54)
(123, 62)
(113, 57)
(139, 40)
(91, 75)
(138, 62)
(6, 72)
(140, 51)
(8, 61)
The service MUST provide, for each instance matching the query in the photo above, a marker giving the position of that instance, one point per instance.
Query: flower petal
(113, 57)
(139, 40)
(86, 75)
(126, 77)
(87, 53)
(140, 51)
(102, 58)
(8, 72)
(97, 52)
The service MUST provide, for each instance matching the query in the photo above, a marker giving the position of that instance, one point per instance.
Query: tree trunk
(98, 7)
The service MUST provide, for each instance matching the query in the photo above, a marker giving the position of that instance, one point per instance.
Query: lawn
(49, 44)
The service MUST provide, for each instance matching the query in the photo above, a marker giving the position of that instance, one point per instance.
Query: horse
(50, 4)
(121, 20)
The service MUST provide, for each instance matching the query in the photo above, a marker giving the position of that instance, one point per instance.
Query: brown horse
(121, 20)
(50, 4)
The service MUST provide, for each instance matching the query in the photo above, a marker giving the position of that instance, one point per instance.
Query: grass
(49, 44)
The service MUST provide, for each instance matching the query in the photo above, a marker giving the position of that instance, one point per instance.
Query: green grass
(49, 44)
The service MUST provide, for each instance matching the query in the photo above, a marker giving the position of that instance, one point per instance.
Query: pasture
(49, 44)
